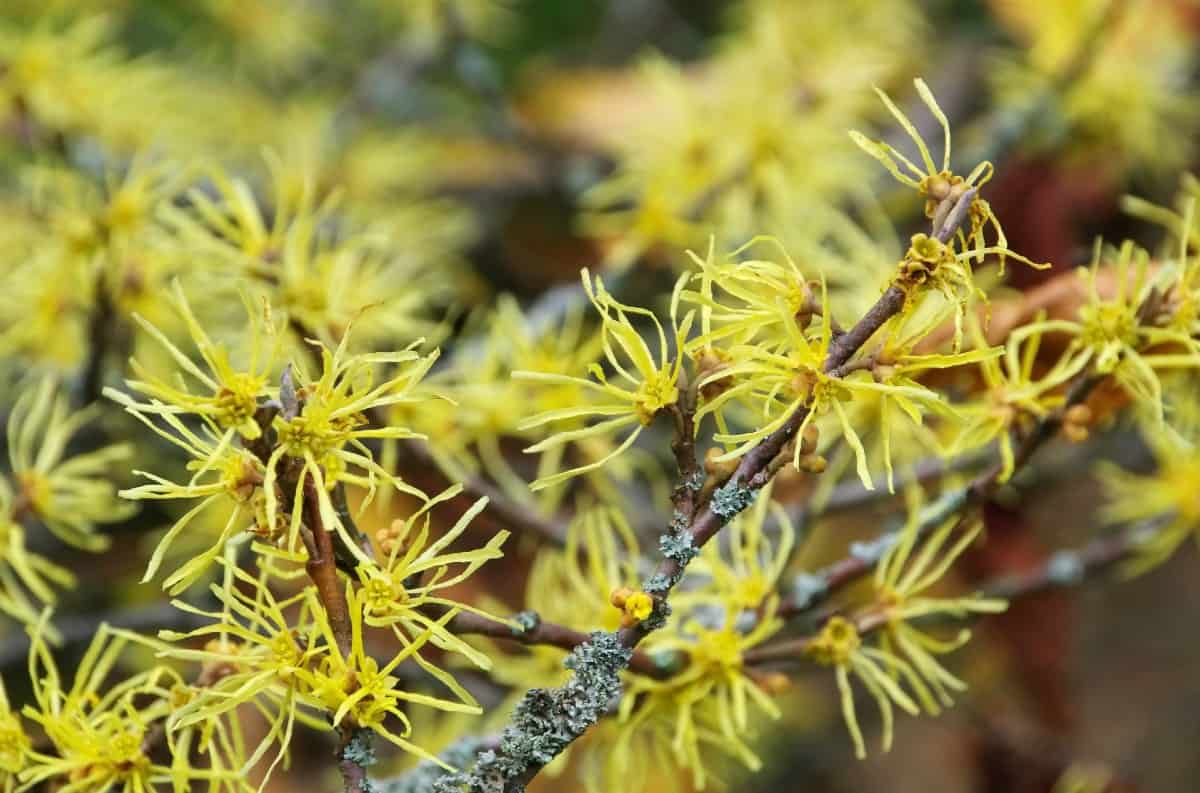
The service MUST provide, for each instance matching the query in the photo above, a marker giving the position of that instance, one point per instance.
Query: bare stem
(535, 631)
(684, 496)
(355, 754)
(812, 589)
(322, 569)
(1062, 569)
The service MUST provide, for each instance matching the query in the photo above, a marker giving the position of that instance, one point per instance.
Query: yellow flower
(410, 582)
(906, 654)
(229, 396)
(25, 577)
(946, 266)
(638, 606)
(252, 654)
(323, 435)
(484, 404)
(15, 745)
(97, 739)
(224, 475)
(940, 186)
(63, 74)
(324, 283)
(743, 573)
(570, 586)
(1013, 394)
(767, 333)
(902, 582)
(885, 416)
(709, 700)
(227, 405)
(840, 646)
(355, 689)
(705, 706)
(70, 495)
(1171, 493)
(756, 295)
(282, 656)
(650, 384)
(1116, 336)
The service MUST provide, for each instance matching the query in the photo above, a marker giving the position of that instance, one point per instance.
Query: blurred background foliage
(459, 162)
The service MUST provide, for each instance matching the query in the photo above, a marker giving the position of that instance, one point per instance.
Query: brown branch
(1062, 569)
(852, 494)
(599, 661)
(322, 569)
(683, 445)
(103, 326)
(812, 589)
(1071, 567)
(796, 649)
(540, 632)
(354, 755)
(890, 303)
(844, 346)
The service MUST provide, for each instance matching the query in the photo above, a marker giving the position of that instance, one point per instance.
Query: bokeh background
(495, 147)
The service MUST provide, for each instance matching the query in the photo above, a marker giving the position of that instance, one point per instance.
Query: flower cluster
(931, 260)
(102, 735)
(276, 459)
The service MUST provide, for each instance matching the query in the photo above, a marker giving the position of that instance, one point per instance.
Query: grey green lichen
(679, 522)
(546, 721)
(526, 621)
(360, 752)
(657, 584)
(428, 775)
(731, 498)
(806, 588)
(680, 547)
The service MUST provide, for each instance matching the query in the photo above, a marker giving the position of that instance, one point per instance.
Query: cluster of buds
(388, 537)
(773, 683)
(808, 460)
(718, 470)
(1076, 422)
(636, 606)
(942, 190)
